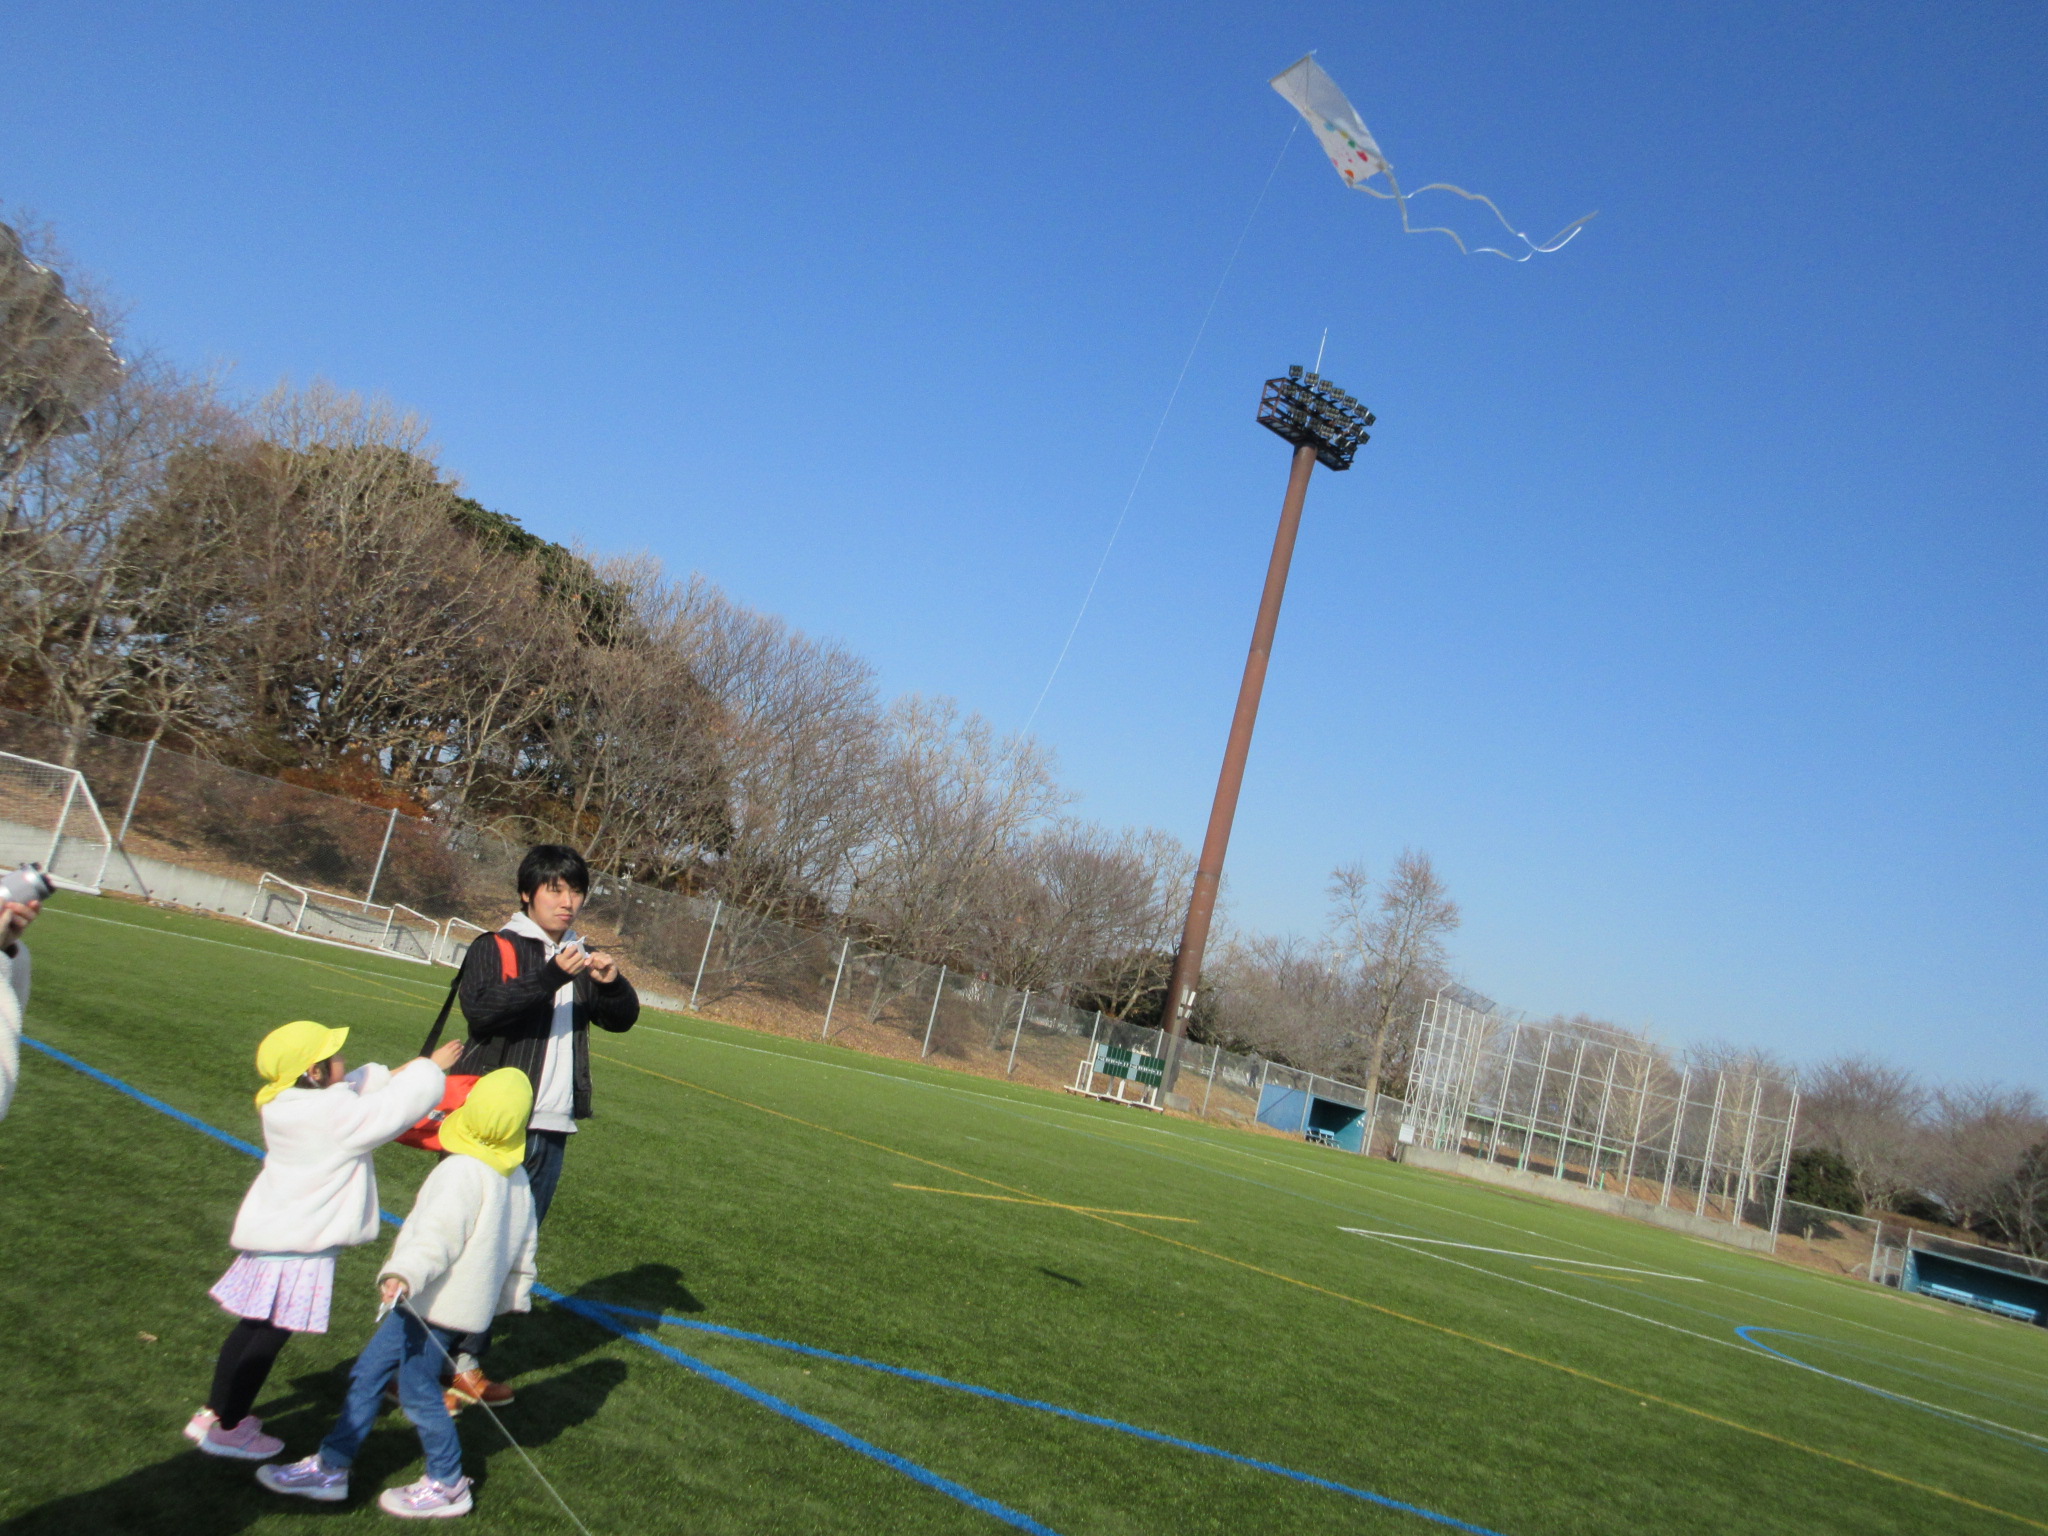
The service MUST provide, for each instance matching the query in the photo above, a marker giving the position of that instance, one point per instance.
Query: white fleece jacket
(13, 1004)
(318, 1187)
(466, 1251)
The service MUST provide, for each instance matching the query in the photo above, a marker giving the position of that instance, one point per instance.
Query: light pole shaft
(1187, 963)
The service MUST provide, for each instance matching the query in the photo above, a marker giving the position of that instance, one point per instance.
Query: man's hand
(573, 960)
(17, 916)
(603, 967)
(393, 1290)
(447, 1054)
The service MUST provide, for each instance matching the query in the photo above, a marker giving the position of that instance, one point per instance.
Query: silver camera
(26, 884)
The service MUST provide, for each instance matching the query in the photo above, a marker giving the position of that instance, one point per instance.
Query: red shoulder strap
(508, 959)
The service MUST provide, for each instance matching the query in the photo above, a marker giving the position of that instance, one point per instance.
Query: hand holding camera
(21, 898)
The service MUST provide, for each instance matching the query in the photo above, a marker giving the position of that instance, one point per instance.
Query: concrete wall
(1593, 1199)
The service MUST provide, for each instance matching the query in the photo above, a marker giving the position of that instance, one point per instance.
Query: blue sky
(1685, 606)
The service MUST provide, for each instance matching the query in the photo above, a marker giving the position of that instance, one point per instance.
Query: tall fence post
(717, 910)
(1571, 1105)
(378, 873)
(135, 793)
(1699, 1207)
(1785, 1164)
(1677, 1134)
(929, 1024)
(1086, 1076)
(833, 1001)
(1023, 1009)
(1215, 1056)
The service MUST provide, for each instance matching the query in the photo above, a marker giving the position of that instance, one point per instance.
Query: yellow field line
(1370, 1306)
(1054, 1205)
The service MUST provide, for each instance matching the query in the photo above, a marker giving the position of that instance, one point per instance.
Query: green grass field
(960, 1228)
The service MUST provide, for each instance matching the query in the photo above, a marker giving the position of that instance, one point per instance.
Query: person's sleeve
(490, 1003)
(17, 976)
(435, 1233)
(517, 1293)
(614, 1005)
(10, 1034)
(384, 1103)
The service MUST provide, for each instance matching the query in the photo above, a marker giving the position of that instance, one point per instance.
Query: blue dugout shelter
(1304, 1112)
(1987, 1279)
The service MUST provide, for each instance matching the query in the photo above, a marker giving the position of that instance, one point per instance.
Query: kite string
(1146, 462)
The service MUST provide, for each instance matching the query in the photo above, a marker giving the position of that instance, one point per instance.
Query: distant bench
(1983, 1303)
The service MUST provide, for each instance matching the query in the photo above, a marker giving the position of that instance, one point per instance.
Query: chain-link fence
(196, 833)
(1604, 1111)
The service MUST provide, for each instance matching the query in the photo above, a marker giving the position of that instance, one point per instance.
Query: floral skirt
(292, 1292)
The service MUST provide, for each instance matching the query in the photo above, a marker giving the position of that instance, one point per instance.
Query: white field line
(1740, 1345)
(252, 949)
(1509, 1253)
(1096, 1130)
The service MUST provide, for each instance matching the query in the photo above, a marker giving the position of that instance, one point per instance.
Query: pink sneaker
(309, 1479)
(427, 1500)
(197, 1426)
(245, 1442)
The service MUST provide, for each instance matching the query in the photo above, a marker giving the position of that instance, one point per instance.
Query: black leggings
(244, 1365)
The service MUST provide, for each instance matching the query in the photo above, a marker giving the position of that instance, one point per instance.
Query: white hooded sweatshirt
(466, 1252)
(13, 1004)
(318, 1187)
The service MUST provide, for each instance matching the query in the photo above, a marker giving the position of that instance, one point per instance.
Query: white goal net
(48, 815)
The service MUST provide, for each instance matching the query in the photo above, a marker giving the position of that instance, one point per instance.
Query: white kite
(1358, 158)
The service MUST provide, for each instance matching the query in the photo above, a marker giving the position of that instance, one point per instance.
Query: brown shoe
(475, 1387)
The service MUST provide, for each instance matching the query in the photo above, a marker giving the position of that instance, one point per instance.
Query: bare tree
(1869, 1113)
(1394, 942)
(1977, 1139)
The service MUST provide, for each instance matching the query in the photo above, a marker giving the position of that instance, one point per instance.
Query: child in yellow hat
(464, 1255)
(316, 1195)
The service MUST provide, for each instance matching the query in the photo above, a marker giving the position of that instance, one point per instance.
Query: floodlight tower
(1326, 426)
(55, 362)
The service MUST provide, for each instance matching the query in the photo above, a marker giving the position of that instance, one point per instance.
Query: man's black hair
(545, 863)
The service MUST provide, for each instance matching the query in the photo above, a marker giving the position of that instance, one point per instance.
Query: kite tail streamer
(1556, 242)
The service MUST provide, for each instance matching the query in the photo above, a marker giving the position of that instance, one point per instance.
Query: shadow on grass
(189, 1493)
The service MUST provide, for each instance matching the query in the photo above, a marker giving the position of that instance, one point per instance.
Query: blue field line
(597, 1312)
(810, 1421)
(1098, 1421)
(1953, 1416)
(136, 1093)
(832, 1432)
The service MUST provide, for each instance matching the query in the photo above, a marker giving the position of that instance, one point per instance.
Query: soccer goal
(394, 928)
(48, 815)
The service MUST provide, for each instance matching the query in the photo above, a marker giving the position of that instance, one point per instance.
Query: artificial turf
(968, 1230)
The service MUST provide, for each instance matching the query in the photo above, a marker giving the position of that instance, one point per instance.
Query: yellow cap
(490, 1124)
(289, 1050)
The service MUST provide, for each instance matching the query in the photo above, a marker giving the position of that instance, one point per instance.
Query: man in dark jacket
(530, 992)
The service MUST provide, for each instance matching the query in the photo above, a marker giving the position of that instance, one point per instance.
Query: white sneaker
(245, 1442)
(200, 1422)
(309, 1479)
(427, 1500)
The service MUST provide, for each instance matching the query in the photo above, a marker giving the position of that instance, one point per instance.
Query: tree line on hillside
(1875, 1137)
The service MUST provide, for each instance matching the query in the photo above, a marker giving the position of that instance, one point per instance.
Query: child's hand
(446, 1055)
(393, 1290)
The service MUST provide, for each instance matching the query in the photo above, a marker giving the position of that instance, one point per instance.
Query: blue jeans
(412, 1349)
(544, 1150)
